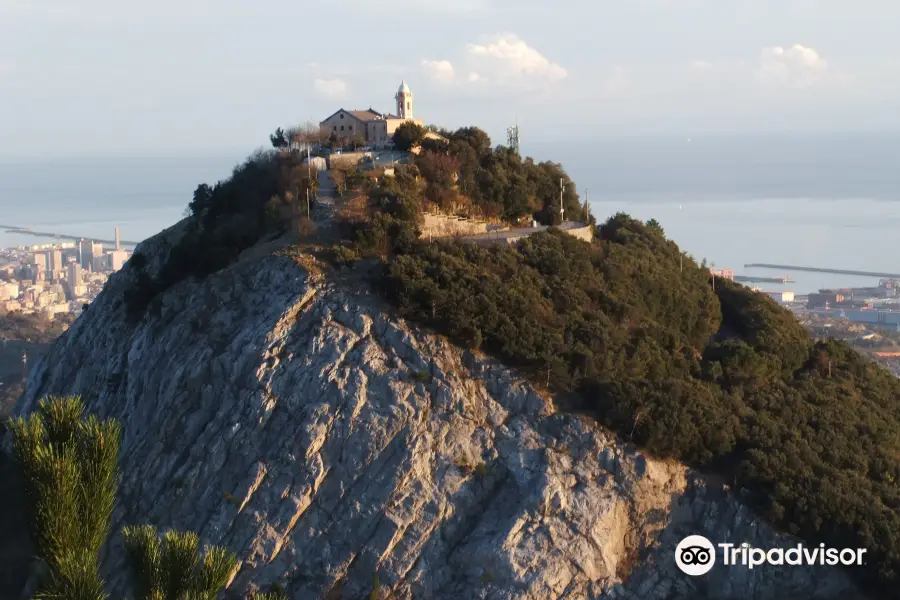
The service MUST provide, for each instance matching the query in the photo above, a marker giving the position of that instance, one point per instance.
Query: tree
(70, 470)
(408, 135)
(69, 465)
(339, 177)
(305, 227)
(435, 145)
(202, 200)
(357, 140)
(441, 170)
(654, 225)
(174, 569)
(278, 139)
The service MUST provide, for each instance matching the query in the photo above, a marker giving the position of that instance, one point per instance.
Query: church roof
(366, 115)
(404, 89)
(362, 115)
(369, 114)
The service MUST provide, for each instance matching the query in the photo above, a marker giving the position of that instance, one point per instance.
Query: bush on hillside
(265, 195)
(499, 182)
(721, 378)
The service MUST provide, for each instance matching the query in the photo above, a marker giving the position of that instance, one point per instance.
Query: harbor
(875, 306)
(760, 279)
(823, 270)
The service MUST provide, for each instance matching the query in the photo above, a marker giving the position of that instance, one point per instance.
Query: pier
(752, 279)
(818, 270)
(63, 236)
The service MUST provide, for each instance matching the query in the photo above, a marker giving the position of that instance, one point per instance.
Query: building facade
(370, 126)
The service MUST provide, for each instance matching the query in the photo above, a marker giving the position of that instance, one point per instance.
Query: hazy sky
(104, 76)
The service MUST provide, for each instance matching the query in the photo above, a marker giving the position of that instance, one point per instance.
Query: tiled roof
(365, 115)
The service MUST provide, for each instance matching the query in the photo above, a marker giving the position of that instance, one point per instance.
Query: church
(374, 127)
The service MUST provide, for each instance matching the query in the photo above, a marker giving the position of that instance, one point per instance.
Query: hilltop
(338, 406)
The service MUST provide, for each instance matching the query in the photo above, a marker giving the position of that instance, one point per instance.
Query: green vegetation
(70, 474)
(34, 327)
(70, 477)
(408, 135)
(468, 176)
(705, 371)
(173, 569)
(264, 196)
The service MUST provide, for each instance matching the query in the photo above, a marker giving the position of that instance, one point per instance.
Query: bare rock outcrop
(328, 443)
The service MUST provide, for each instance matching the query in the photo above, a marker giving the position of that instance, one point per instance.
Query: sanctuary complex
(374, 127)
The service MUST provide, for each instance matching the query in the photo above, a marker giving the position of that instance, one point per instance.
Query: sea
(828, 201)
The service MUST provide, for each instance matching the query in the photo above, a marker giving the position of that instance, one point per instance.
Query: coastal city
(867, 318)
(56, 278)
(62, 278)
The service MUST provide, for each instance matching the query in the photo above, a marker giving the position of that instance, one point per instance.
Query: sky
(104, 77)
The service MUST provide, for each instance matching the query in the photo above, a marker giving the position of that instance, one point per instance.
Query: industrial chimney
(117, 239)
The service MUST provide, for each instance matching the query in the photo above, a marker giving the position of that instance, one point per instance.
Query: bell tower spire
(404, 99)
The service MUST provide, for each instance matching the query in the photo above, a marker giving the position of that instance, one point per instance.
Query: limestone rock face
(328, 443)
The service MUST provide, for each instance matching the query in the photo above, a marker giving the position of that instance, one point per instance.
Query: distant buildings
(781, 296)
(723, 273)
(117, 259)
(88, 253)
(85, 253)
(54, 261)
(56, 278)
(9, 291)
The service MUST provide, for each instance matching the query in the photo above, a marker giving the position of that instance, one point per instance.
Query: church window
(335, 127)
(350, 127)
(342, 115)
(342, 127)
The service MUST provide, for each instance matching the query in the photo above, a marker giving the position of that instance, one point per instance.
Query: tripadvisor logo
(695, 555)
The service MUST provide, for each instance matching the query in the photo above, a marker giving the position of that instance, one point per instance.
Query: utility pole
(587, 210)
(562, 188)
(308, 213)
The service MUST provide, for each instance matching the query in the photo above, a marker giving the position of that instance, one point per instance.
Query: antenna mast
(512, 137)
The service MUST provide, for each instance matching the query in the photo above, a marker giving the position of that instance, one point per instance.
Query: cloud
(700, 66)
(796, 67)
(503, 61)
(332, 89)
(509, 56)
(441, 71)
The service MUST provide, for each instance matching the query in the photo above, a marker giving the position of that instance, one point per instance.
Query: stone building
(375, 128)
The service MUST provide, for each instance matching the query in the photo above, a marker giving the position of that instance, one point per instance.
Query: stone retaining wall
(437, 226)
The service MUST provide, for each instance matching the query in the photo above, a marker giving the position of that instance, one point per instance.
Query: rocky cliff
(327, 443)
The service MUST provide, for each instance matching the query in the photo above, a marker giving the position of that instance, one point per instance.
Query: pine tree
(173, 568)
(69, 466)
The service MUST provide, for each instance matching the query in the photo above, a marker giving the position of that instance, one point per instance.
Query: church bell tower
(404, 99)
